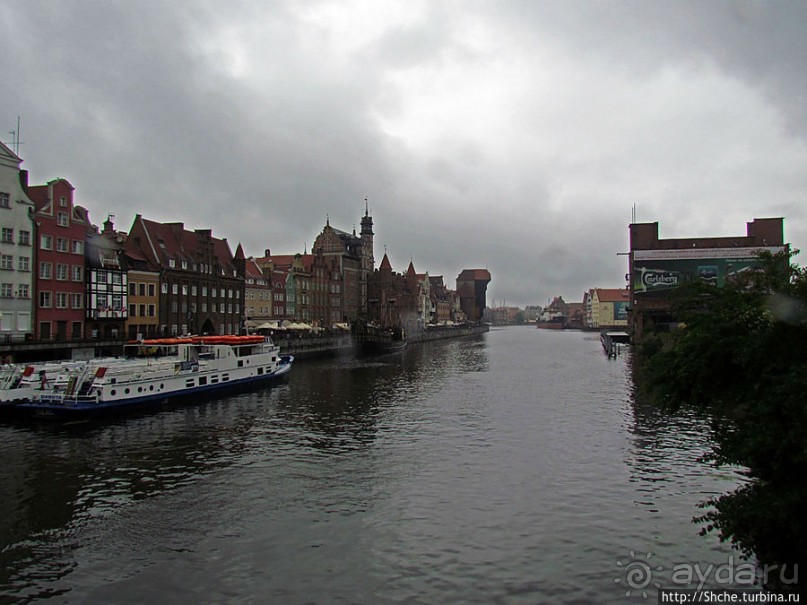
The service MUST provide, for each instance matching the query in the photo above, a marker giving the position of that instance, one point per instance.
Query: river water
(510, 467)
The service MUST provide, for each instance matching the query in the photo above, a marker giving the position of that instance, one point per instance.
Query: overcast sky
(514, 135)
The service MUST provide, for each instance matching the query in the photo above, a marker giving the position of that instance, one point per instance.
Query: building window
(78, 301)
(142, 289)
(61, 300)
(151, 290)
(63, 202)
(141, 310)
(173, 329)
(6, 290)
(61, 244)
(193, 290)
(24, 263)
(152, 311)
(46, 242)
(23, 291)
(173, 306)
(77, 272)
(184, 290)
(100, 277)
(25, 238)
(222, 308)
(172, 263)
(174, 288)
(132, 309)
(117, 279)
(204, 307)
(78, 247)
(61, 272)
(132, 290)
(7, 262)
(164, 288)
(5, 200)
(184, 264)
(44, 300)
(76, 330)
(204, 290)
(7, 235)
(62, 219)
(45, 270)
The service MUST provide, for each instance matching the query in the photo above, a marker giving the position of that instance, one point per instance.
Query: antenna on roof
(15, 138)
(366, 207)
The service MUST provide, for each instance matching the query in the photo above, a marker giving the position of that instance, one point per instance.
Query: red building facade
(60, 232)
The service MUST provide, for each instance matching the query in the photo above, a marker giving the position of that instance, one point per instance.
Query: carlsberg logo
(654, 279)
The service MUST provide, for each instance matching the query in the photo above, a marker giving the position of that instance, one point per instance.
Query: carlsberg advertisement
(656, 270)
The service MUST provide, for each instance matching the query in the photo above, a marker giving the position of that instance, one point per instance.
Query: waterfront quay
(512, 466)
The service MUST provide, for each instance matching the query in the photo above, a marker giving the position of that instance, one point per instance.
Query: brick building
(61, 230)
(657, 266)
(472, 285)
(351, 257)
(201, 290)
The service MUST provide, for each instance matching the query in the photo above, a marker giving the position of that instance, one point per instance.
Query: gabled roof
(385, 264)
(166, 241)
(612, 294)
(251, 268)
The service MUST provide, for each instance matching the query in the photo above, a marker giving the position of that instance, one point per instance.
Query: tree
(742, 353)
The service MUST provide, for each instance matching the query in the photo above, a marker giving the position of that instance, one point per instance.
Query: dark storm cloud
(512, 136)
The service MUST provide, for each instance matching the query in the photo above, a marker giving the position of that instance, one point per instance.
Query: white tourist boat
(156, 371)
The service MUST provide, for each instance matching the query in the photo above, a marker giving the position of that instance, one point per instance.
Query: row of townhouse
(64, 279)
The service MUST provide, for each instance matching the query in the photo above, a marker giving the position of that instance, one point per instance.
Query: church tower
(367, 259)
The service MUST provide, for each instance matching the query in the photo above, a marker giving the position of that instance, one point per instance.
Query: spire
(366, 207)
(385, 264)
(239, 253)
(327, 220)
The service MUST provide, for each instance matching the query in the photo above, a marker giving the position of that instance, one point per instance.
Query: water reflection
(513, 467)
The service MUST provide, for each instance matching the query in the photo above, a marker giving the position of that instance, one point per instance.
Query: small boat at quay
(152, 371)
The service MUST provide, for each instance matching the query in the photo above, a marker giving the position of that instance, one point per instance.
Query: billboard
(659, 270)
(621, 311)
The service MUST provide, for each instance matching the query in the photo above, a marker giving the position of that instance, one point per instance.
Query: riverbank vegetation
(740, 352)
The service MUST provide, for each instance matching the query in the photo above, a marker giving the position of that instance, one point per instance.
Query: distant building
(658, 266)
(17, 268)
(351, 257)
(606, 308)
(472, 285)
